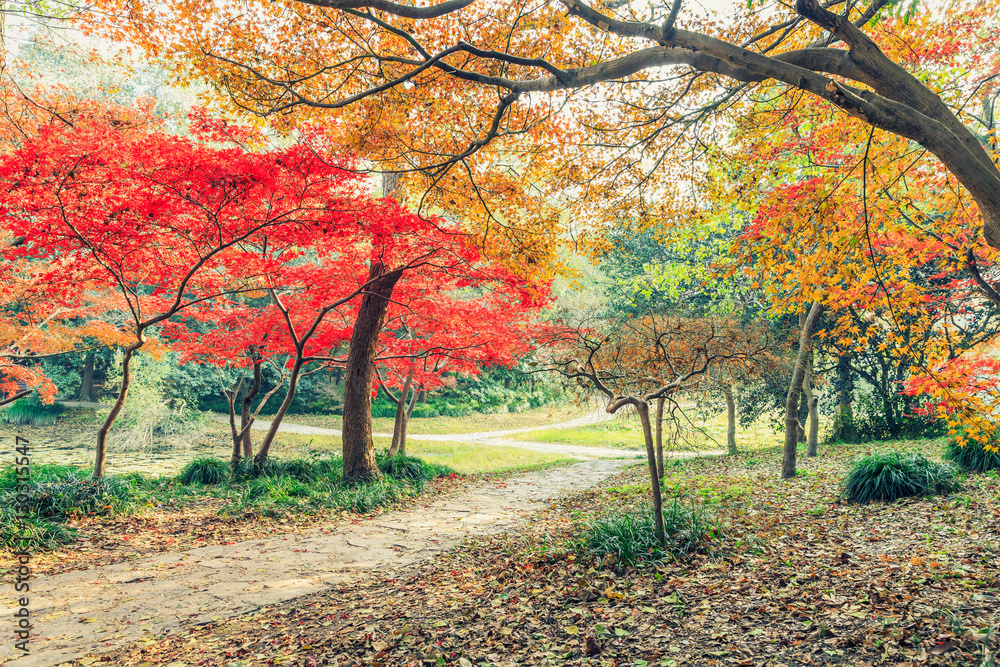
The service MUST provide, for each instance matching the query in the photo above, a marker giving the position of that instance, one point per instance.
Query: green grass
(625, 432)
(973, 457)
(625, 537)
(309, 486)
(28, 411)
(204, 470)
(893, 475)
(614, 435)
(471, 423)
(58, 493)
(468, 459)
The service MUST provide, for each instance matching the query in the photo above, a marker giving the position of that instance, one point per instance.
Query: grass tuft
(894, 475)
(973, 457)
(205, 470)
(626, 537)
(27, 411)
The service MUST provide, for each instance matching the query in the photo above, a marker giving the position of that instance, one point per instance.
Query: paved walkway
(101, 609)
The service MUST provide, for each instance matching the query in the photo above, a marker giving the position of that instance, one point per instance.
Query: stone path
(101, 609)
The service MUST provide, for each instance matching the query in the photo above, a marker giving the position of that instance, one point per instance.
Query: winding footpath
(101, 609)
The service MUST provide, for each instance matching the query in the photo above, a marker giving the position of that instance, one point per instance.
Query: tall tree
(595, 95)
(168, 223)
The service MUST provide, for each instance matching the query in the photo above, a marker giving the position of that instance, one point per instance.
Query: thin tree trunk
(293, 380)
(659, 436)
(647, 434)
(116, 408)
(86, 392)
(230, 396)
(359, 451)
(730, 419)
(246, 418)
(812, 442)
(794, 389)
(803, 415)
(406, 423)
(397, 426)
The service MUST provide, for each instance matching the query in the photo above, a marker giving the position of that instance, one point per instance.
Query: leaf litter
(797, 578)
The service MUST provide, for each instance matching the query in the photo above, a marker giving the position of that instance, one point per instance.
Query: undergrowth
(973, 457)
(626, 537)
(26, 411)
(894, 475)
(278, 487)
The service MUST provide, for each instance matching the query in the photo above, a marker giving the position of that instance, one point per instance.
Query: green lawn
(465, 458)
(71, 442)
(476, 422)
(626, 433)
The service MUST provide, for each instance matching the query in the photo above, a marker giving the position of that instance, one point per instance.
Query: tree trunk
(359, 451)
(730, 419)
(659, 436)
(406, 422)
(293, 381)
(245, 407)
(803, 415)
(794, 389)
(397, 427)
(116, 408)
(230, 396)
(86, 392)
(812, 400)
(647, 434)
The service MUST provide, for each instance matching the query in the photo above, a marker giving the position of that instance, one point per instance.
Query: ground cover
(473, 423)
(795, 576)
(70, 441)
(626, 433)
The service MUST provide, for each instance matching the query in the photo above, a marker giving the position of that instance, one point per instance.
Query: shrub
(41, 472)
(371, 494)
(32, 534)
(972, 456)
(383, 409)
(448, 409)
(148, 418)
(440, 469)
(627, 537)
(424, 411)
(26, 411)
(869, 423)
(404, 468)
(298, 469)
(78, 493)
(893, 475)
(205, 470)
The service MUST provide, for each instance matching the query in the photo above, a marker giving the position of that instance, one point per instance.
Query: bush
(449, 409)
(32, 534)
(972, 456)
(869, 423)
(627, 537)
(148, 418)
(205, 470)
(30, 410)
(382, 409)
(424, 411)
(893, 475)
(371, 494)
(77, 493)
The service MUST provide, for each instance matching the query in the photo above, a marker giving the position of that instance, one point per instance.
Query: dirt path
(98, 610)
